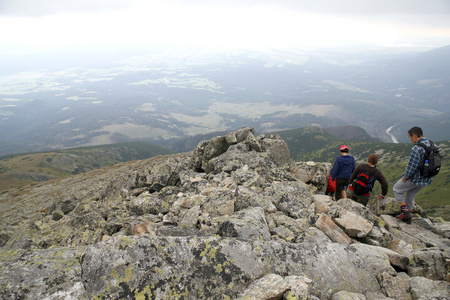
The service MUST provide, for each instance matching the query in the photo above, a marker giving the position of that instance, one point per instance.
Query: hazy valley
(162, 98)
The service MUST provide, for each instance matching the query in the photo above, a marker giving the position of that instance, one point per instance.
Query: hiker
(365, 175)
(341, 172)
(412, 180)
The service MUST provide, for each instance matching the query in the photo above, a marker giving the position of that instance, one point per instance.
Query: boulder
(333, 231)
(273, 286)
(427, 289)
(353, 224)
(430, 263)
(394, 287)
(215, 267)
(246, 224)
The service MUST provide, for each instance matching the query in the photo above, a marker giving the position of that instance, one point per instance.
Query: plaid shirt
(416, 160)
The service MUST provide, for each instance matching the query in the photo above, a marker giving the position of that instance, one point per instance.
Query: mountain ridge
(305, 144)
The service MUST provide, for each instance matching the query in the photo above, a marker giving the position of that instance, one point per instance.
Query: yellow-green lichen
(141, 295)
(129, 274)
(173, 294)
(125, 241)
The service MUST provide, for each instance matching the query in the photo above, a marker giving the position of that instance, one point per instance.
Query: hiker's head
(343, 149)
(415, 134)
(373, 159)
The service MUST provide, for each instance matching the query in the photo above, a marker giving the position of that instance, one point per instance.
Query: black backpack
(364, 181)
(432, 161)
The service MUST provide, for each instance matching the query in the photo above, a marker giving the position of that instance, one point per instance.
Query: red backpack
(331, 187)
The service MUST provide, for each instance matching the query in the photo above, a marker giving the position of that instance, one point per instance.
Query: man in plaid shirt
(412, 181)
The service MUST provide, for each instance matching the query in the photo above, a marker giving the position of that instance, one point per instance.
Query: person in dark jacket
(341, 172)
(371, 168)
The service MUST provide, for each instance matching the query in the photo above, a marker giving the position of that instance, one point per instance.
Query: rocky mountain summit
(233, 219)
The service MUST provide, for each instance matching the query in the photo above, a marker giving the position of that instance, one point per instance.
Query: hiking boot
(405, 216)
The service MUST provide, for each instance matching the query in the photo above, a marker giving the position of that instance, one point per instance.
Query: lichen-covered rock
(353, 224)
(276, 148)
(394, 287)
(344, 295)
(429, 263)
(333, 231)
(293, 198)
(312, 173)
(213, 267)
(427, 289)
(273, 286)
(41, 274)
(381, 259)
(249, 223)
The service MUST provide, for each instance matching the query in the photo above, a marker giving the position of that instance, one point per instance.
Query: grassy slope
(19, 170)
(316, 145)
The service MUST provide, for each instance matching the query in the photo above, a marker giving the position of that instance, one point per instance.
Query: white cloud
(57, 24)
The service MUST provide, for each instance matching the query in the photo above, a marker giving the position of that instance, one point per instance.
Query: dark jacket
(378, 176)
(343, 167)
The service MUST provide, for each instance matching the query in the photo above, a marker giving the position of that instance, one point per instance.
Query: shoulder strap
(372, 172)
(425, 147)
(364, 169)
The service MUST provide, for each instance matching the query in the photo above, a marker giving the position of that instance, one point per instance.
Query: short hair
(373, 159)
(415, 131)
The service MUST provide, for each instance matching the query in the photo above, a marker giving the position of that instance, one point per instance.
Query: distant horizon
(51, 26)
(59, 59)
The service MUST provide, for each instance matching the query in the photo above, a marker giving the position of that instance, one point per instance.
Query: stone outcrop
(233, 219)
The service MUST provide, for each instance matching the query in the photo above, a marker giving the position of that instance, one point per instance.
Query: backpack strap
(372, 172)
(426, 148)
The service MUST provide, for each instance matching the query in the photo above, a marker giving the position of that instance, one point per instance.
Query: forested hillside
(19, 170)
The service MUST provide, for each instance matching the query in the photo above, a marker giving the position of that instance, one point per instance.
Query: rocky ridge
(233, 219)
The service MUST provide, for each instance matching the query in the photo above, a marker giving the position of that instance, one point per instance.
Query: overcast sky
(32, 26)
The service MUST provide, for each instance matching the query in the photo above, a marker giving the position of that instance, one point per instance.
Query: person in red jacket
(370, 168)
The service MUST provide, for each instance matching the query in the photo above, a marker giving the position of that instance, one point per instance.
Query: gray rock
(273, 286)
(292, 198)
(65, 205)
(442, 229)
(57, 215)
(344, 295)
(213, 267)
(383, 259)
(246, 224)
(427, 289)
(42, 274)
(315, 174)
(429, 263)
(394, 286)
(253, 197)
(353, 224)
(277, 149)
(333, 231)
